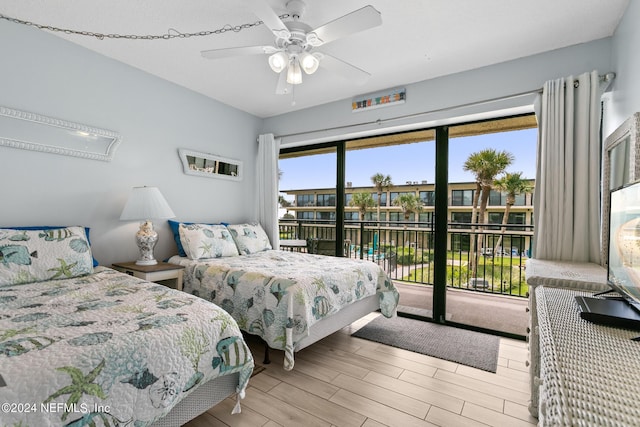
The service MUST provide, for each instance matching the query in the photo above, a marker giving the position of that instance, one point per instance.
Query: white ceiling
(418, 40)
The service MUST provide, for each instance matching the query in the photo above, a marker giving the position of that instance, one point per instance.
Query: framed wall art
(210, 165)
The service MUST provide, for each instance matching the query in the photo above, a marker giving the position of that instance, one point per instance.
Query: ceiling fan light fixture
(278, 61)
(309, 63)
(294, 73)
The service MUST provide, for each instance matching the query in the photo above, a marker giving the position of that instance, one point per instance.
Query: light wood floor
(346, 381)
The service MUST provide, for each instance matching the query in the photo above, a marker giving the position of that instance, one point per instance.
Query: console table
(589, 373)
(555, 274)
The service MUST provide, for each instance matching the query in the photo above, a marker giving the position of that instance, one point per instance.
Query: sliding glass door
(453, 237)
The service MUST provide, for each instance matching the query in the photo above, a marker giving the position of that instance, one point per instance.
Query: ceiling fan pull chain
(171, 33)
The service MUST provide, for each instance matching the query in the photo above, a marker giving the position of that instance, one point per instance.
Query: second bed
(291, 299)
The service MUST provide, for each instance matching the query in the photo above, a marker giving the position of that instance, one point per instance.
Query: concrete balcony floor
(500, 313)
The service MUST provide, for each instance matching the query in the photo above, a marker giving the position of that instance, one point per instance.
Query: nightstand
(163, 273)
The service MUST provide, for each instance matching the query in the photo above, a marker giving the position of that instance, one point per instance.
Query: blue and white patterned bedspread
(279, 295)
(109, 349)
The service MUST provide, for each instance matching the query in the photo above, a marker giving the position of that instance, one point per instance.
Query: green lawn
(503, 274)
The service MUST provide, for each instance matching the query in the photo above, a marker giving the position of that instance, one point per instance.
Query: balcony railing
(487, 258)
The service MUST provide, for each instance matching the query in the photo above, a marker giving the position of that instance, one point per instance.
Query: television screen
(624, 243)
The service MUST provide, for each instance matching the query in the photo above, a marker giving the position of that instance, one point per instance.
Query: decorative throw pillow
(250, 238)
(55, 227)
(37, 255)
(206, 241)
(175, 229)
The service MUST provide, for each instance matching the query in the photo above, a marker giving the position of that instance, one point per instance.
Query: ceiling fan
(294, 49)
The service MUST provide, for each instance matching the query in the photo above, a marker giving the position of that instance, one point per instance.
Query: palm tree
(512, 184)
(409, 203)
(382, 183)
(284, 203)
(486, 165)
(362, 201)
(474, 164)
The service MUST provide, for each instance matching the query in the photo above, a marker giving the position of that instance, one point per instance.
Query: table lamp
(145, 204)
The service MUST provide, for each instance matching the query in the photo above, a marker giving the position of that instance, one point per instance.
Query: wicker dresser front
(589, 373)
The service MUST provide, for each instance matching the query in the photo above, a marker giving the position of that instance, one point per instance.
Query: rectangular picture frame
(208, 165)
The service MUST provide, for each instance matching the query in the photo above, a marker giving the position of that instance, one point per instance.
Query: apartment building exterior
(319, 205)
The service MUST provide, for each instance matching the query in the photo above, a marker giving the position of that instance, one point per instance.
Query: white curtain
(567, 194)
(267, 185)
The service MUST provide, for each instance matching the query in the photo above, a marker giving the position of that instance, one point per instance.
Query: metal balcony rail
(488, 258)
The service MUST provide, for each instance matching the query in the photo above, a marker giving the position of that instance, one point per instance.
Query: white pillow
(250, 238)
(207, 241)
(40, 255)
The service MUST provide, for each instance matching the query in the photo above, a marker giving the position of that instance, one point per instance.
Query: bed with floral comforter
(280, 295)
(108, 349)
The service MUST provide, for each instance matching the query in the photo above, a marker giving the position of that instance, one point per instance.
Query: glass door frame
(441, 208)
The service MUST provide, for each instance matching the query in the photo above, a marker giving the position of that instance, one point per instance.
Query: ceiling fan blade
(283, 88)
(270, 18)
(237, 51)
(351, 23)
(338, 66)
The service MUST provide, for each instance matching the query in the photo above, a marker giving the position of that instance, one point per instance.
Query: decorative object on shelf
(379, 99)
(144, 204)
(31, 131)
(210, 165)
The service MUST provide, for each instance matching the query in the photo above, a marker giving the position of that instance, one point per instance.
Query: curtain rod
(603, 78)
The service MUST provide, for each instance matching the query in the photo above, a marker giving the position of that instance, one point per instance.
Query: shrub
(409, 256)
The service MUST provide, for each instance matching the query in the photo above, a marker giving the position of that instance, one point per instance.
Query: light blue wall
(482, 84)
(624, 98)
(47, 75)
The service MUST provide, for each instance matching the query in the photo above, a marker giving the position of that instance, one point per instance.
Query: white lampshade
(294, 73)
(146, 203)
(309, 63)
(278, 61)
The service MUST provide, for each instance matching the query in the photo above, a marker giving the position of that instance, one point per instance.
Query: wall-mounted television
(623, 272)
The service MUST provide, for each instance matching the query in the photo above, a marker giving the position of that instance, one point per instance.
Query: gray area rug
(469, 348)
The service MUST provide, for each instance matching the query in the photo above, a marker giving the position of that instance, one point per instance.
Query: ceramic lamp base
(146, 238)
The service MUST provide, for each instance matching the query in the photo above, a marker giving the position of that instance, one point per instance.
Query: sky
(408, 162)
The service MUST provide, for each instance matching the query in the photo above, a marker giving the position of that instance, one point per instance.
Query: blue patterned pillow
(37, 255)
(250, 238)
(207, 241)
(175, 229)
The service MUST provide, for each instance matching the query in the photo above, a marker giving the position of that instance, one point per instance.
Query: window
(496, 198)
(351, 216)
(462, 198)
(514, 218)
(329, 216)
(383, 198)
(425, 219)
(347, 199)
(383, 216)
(399, 217)
(326, 200)
(460, 218)
(305, 200)
(428, 198)
(304, 215)
(517, 218)
(396, 194)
